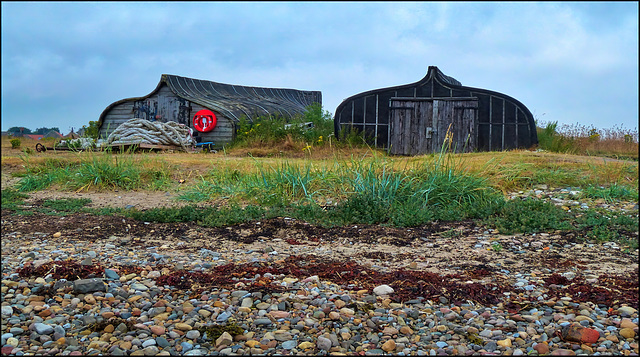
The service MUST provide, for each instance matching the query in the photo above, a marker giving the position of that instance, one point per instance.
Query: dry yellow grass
(507, 171)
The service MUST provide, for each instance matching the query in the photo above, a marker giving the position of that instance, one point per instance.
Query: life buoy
(204, 121)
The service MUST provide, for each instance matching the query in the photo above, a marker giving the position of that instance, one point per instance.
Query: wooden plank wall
(223, 133)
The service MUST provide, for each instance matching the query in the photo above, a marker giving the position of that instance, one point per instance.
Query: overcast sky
(64, 63)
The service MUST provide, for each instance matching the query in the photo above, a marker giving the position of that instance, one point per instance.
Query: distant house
(33, 136)
(53, 134)
(71, 135)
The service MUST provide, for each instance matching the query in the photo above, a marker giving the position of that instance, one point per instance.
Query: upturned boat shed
(415, 118)
(211, 109)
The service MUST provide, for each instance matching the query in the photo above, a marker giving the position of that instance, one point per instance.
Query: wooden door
(420, 125)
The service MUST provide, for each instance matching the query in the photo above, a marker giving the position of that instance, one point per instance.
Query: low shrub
(529, 216)
(12, 199)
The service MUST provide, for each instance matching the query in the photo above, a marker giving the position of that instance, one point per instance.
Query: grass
(303, 176)
(94, 171)
(64, 206)
(616, 142)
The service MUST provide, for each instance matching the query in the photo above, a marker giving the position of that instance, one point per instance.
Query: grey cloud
(68, 61)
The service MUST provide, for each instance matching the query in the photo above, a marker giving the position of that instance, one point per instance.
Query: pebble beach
(124, 311)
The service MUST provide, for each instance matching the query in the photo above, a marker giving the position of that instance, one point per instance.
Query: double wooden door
(427, 125)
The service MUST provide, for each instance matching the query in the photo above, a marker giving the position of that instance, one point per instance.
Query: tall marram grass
(588, 140)
(95, 171)
(362, 191)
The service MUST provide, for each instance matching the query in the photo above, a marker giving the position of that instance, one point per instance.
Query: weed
(550, 140)
(213, 332)
(66, 204)
(452, 233)
(15, 143)
(96, 171)
(577, 138)
(12, 199)
(529, 216)
(289, 133)
(611, 193)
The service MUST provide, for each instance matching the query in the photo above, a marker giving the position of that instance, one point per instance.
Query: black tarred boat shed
(414, 119)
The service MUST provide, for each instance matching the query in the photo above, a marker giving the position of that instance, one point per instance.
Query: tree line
(40, 131)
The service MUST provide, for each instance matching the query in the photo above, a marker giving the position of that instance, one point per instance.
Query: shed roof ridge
(435, 72)
(165, 76)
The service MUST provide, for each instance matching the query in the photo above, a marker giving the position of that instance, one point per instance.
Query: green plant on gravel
(66, 204)
(496, 246)
(12, 199)
(603, 225)
(529, 216)
(611, 193)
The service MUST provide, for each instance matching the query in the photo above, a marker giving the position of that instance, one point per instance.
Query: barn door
(420, 125)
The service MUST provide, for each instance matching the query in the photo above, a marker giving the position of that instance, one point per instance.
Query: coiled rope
(136, 131)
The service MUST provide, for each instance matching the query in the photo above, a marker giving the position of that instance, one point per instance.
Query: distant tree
(18, 129)
(92, 131)
(42, 131)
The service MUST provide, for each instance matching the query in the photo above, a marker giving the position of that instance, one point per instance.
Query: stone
(158, 330)
(247, 302)
(193, 334)
(204, 313)
(627, 310)
(182, 326)
(563, 352)
(504, 343)
(289, 345)
(84, 286)
(224, 340)
(406, 330)
(111, 274)
(383, 290)
(279, 314)
(7, 310)
(306, 344)
(323, 343)
(89, 299)
(627, 323)
(162, 342)
(43, 329)
(388, 330)
(150, 351)
(347, 311)
(187, 307)
(140, 287)
(389, 346)
(627, 333)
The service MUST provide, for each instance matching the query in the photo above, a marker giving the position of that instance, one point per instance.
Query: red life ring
(204, 121)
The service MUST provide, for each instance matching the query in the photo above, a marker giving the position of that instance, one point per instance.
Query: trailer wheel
(40, 148)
